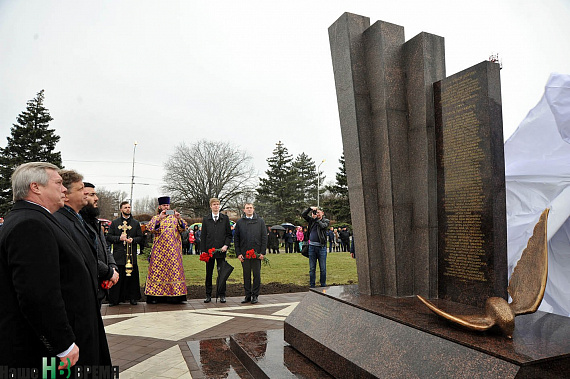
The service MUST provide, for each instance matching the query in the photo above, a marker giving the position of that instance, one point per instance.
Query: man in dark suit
(216, 233)
(47, 285)
(250, 234)
(84, 236)
(107, 270)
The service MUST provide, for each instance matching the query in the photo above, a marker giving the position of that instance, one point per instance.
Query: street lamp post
(133, 173)
(319, 182)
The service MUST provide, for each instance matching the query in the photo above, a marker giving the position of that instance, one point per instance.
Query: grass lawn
(283, 268)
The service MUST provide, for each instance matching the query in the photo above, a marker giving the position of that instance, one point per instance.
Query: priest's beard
(89, 212)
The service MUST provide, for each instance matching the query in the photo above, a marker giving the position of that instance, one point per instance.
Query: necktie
(215, 218)
(88, 230)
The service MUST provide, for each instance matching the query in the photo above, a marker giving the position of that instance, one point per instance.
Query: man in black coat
(344, 236)
(73, 222)
(250, 234)
(272, 241)
(128, 288)
(47, 284)
(217, 234)
(107, 270)
(68, 216)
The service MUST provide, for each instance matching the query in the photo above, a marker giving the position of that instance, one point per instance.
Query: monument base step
(215, 360)
(266, 355)
(353, 335)
(262, 354)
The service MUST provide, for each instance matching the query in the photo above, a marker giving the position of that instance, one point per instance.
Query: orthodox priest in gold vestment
(166, 281)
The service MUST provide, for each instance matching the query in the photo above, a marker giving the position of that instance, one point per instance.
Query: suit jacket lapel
(89, 259)
(77, 223)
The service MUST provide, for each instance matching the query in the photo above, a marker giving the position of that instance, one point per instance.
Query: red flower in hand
(205, 257)
(250, 254)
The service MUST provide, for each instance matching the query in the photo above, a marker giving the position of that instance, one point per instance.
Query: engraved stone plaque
(472, 243)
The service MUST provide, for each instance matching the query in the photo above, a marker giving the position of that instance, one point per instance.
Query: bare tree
(109, 202)
(236, 204)
(146, 205)
(207, 169)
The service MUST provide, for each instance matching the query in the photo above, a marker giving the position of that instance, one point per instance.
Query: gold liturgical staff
(526, 288)
(129, 246)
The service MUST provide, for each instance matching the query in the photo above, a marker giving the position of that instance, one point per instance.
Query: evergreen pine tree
(337, 203)
(31, 141)
(277, 195)
(306, 172)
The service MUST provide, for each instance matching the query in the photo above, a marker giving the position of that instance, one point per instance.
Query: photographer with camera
(317, 243)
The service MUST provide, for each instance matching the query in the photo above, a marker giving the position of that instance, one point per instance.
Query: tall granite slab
(388, 129)
(424, 64)
(471, 186)
(389, 150)
(347, 50)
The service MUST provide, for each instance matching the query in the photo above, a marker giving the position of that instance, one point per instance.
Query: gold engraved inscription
(464, 197)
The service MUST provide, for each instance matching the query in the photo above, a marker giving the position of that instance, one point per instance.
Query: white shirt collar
(39, 205)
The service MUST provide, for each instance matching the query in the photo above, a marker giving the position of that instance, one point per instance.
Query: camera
(314, 211)
(169, 212)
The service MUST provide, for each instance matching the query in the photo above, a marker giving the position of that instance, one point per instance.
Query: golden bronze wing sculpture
(526, 288)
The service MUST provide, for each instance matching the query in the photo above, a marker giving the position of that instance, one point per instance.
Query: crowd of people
(58, 263)
(291, 239)
(50, 274)
(294, 238)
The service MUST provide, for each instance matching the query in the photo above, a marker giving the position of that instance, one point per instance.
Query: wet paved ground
(151, 340)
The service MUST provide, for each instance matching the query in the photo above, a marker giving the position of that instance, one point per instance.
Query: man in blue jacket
(317, 231)
(330, 235)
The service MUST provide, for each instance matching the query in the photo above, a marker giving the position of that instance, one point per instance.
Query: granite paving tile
(149, 340)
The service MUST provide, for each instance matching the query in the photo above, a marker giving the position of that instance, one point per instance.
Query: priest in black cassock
(128, 287)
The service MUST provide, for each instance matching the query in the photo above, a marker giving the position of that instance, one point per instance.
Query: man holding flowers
(216, 239)
(250, 240)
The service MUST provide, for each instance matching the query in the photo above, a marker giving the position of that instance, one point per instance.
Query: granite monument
(425, 168)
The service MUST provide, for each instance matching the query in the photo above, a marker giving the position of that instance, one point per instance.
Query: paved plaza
(152, 340)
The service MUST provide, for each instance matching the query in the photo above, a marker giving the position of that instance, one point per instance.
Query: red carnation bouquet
(250, 254)
(205, 257)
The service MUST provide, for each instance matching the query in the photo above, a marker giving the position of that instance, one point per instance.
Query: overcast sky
(249, 72)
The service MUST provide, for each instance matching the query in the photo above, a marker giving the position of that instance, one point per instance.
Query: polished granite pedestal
(353, 335)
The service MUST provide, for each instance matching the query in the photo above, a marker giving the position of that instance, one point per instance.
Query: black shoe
(208, 299)
(151, 301)
(254, 300)
(113, 304)
(133, 302)
(247, 299)
(222, 298)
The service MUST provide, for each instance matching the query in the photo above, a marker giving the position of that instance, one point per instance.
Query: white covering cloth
(537, 169)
